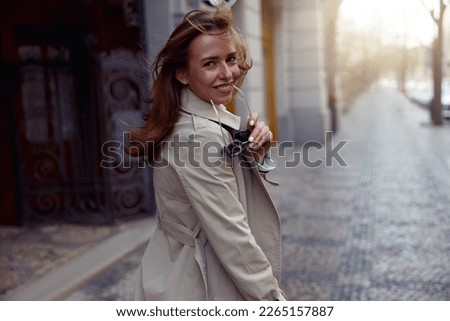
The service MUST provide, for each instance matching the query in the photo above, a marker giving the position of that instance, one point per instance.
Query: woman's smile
(225, 88)
(212, 67)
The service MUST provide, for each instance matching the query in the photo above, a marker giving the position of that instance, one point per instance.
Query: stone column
(306, 115)
(247, 17)
(158, 24)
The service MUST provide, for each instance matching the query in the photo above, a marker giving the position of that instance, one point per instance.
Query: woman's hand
(260, 137)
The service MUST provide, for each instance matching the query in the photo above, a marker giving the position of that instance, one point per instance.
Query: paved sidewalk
(48, 262)
(377, 229)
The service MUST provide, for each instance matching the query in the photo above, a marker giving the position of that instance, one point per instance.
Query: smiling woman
(218, 234)
(212, 68)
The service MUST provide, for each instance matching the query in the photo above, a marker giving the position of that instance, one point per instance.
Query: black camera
(239, 143)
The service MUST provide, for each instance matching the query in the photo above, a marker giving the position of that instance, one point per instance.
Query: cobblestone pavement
(117, 283)
(28, 253)
(377, 229)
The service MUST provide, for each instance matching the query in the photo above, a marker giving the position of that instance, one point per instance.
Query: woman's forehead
(206, 44)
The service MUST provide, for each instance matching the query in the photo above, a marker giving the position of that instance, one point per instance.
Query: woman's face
(212, 67)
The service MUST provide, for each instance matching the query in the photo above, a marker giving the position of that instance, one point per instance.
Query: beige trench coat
(218, 234)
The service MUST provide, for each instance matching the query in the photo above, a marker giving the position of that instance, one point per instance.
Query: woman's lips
(225, 88)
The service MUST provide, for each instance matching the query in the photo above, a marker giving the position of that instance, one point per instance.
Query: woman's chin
(222, 99)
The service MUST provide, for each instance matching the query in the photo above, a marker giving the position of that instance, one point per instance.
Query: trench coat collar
(194, 105)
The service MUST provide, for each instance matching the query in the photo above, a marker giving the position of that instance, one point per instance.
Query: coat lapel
(190, 103)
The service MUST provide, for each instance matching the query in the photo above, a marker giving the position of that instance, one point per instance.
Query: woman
(218, 234)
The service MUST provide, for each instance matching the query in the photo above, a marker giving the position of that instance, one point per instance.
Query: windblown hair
(166, 89)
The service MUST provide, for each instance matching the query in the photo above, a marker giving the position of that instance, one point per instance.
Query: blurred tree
(363, 57)
(330, 12)
(437, 11)
(361, 61)
(402, 62)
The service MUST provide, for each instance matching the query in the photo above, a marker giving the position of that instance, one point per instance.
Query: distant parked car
(422, 93)
(446, 108)
(446, 99)
(446, 112)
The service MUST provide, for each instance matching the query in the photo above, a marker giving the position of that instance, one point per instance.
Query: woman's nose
(225, 72)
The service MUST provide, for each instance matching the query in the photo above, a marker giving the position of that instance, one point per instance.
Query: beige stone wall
(299, 60)
(306, 114)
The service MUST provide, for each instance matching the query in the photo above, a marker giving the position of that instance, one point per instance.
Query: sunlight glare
(397, 21)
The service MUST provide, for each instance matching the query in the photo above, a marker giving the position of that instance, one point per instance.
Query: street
(376, 229)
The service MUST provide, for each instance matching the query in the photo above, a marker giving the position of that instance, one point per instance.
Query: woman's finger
(261, 134)
(252, 120)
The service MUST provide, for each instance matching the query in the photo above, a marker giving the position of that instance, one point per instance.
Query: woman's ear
(182, 77)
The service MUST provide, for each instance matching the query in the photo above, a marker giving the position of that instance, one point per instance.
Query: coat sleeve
(213, 192)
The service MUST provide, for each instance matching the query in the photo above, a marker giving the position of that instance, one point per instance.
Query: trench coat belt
(179, 232)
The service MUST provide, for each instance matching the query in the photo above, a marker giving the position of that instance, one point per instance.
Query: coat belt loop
(179, 232)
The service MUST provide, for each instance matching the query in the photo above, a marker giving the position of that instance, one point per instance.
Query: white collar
(194, 105)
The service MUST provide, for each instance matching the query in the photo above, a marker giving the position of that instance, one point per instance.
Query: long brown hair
(166, 89)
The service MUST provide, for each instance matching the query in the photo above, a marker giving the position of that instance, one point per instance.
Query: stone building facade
(74, 78)
(287, 83)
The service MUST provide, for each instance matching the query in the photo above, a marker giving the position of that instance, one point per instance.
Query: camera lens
(242, 135)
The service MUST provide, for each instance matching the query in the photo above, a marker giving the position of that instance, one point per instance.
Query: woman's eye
(209, 64)
(232, 59)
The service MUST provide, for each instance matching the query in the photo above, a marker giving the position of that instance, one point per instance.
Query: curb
(63, 280)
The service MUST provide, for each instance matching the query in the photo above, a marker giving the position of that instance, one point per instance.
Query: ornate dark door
(75, 81)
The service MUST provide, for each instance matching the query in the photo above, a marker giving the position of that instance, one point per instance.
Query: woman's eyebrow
(209, 58)
(217, 57)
